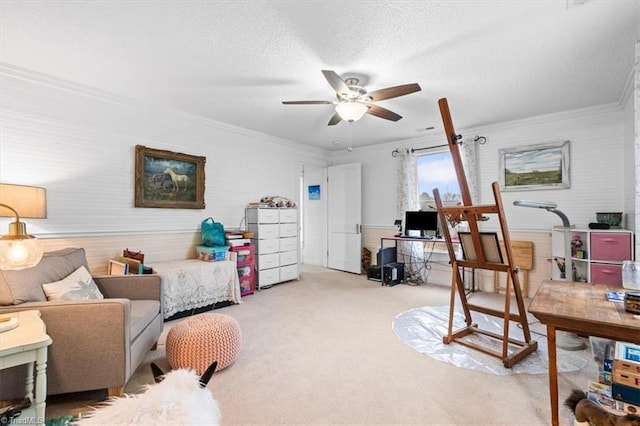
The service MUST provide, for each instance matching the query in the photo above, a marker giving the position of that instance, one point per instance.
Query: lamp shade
(351, 111)
(27, 201)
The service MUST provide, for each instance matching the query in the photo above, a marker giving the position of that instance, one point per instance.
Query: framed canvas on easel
(490, 246)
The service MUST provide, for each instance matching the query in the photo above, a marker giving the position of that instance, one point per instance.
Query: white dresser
(275, 236)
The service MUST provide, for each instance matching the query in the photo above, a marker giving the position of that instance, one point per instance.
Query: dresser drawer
(262, 216)
(610, 274)
(246, 285)
(289, 272)
(288, 229)
(288, 215)
(288, 244)
(267, 246)
(288, 257)
(267, 261)
(268, 277)
(265, 231)
(244, 271)
(610, 246)
(244, 254)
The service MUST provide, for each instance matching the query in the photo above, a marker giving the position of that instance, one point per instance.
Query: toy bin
(247, 285)
(245, 254)
(212, 253)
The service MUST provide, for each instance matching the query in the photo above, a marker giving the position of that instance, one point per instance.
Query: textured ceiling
(235, 62)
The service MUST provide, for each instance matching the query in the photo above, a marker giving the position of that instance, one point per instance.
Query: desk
(579, 308)
(27, 344)
(438, 245)
(438, 249)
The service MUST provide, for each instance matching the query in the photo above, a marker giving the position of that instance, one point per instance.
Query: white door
(344, 215)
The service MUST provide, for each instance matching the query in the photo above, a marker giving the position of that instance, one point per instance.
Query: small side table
(27, 344)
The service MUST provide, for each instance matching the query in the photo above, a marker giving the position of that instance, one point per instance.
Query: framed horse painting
(168, 179)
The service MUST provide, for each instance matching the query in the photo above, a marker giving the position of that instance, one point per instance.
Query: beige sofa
(97, 343)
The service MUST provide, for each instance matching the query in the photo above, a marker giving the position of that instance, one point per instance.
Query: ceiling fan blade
(336, 82)
(307, 102)
(378, 111)
(393, 92)
(335, 119)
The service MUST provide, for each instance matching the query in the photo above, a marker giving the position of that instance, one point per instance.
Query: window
(436, 170)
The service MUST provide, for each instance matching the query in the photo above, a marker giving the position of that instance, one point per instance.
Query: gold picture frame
(168, 179)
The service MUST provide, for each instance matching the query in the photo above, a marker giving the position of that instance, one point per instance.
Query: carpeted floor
(322, 350)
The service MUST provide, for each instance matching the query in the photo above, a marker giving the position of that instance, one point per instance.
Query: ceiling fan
(354, 101)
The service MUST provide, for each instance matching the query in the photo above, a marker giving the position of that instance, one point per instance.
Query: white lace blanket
(193, 283)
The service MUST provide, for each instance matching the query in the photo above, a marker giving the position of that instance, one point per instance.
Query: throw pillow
(77, 286)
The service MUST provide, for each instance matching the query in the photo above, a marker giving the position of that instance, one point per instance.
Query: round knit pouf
(199, 340)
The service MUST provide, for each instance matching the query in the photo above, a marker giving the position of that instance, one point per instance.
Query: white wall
(314, 247)
(79, 144)
(597, 178)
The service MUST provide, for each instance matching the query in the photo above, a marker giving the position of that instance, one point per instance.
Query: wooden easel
(482, 259)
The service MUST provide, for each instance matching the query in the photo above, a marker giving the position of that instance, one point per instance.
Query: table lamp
(18, 249)
(565, 340)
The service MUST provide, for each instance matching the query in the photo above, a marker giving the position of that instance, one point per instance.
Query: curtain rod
(480, 139)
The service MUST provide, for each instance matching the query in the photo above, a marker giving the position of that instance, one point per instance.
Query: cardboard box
(627, 379)
(623, 366)
(627, 351)
(625, 393)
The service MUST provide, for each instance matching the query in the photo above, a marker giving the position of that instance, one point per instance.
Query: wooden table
(579, 308)
(27, 344)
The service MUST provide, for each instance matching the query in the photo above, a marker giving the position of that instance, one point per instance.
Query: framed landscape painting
(168, 179)
(543, 166)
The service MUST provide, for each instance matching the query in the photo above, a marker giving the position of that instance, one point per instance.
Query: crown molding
(35, 77)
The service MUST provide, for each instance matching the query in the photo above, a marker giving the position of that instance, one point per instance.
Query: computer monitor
(422, 223)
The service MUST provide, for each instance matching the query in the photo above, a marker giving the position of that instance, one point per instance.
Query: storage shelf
(603, 252)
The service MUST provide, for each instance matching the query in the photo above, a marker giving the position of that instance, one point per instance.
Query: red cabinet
(245, 263)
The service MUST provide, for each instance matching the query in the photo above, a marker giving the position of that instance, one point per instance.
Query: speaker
(597, 225)
(374, 273)
(392, 274)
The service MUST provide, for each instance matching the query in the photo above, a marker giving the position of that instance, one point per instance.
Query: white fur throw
(179, 399)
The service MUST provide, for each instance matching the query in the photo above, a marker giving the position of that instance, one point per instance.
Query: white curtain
(469, 156)
(407, 183)
(409, 253)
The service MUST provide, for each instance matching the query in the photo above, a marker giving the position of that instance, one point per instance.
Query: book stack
(618, 386)
(626, 373)
(235, 238)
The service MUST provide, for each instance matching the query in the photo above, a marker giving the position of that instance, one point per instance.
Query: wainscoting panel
(156, 247)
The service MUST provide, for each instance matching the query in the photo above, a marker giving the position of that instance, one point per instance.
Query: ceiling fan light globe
(351, 111)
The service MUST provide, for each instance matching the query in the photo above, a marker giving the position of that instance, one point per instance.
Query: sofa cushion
(77, 286)
(25, 285)
(142, 313)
